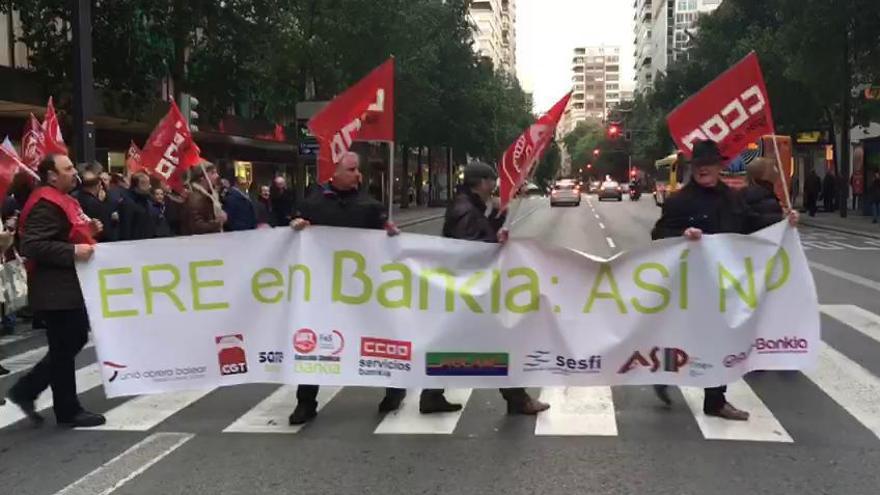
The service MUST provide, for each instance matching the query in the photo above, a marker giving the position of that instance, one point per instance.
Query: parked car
(611, 189)
(565, 193)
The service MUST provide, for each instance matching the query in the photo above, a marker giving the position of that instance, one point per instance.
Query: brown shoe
(528, 407)
(729, 412)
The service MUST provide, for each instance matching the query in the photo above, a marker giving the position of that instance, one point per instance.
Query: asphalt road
(812, 433)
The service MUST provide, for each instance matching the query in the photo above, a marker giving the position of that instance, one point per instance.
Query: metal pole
(83, 82)
(391, 181)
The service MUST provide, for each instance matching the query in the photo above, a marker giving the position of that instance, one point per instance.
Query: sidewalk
(416, 214)
(854, 223)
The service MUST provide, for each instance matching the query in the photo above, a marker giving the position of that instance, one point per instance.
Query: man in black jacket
(135, 220)
(52, 243)
(282, 202)
(341, 204)
(707, 206)
(466, 219)
(88, 197)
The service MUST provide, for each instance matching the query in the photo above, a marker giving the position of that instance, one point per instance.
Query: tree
(548, 168)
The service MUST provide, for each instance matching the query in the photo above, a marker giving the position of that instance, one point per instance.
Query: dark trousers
(713, 399)
(511, 395)
(811, 205)
(67, 332)
(308, 394)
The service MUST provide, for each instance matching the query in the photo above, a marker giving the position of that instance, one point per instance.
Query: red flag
(133, 159)
(364, 112)
(33, 144)
(170, 151)
(9, 164)
(54, 141)
(733, 110)
(521, 156)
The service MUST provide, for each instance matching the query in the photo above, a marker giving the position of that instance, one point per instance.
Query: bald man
(340, 203)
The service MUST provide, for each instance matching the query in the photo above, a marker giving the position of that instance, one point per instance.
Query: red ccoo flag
(133, 159)
(521, 156)
(9, 166)
(54, 141)
(733, 110)
(170, 151)
(33, 143)
(364, 112)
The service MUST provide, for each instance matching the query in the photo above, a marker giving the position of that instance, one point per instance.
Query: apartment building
(495, 32)
(596, 85)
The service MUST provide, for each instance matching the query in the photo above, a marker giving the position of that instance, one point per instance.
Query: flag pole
(781, 171)
(391, 180)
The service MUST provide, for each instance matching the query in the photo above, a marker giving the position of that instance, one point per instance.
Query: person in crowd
(282, 202)
(341, 204)
(263, 208)
(874, 196)
(89, 199)
(812, 191)
(829, 191)
(135, 219)
(202, 212)
(760, 194)
(55, 233)
(19, 191)
(115, 186)
(239, 207)
(466, 218)
(174, 208)
(705, 205)
(158, 211)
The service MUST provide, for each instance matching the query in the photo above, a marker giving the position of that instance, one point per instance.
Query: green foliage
(548, 168)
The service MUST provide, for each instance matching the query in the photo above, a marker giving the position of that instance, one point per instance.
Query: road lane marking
(858, 318)
(856, 279)
(27, 360)
(762, 426)
(601, 225)
(611, 242)
(145, 412)
(270, 415)
(409, 421)
(577, 411)
(597, 216)
(853, 387)
(87, 378)
(128, 465)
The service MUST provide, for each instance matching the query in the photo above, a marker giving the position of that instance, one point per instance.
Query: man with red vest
(55, 233)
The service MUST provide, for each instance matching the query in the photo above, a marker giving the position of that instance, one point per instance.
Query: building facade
(495, 32)
(596, 85)
(663, 32)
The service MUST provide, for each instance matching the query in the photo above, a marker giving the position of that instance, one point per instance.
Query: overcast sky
(548, 31)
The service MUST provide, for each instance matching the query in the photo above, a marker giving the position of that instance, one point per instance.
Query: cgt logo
(114, 369)
(785, 345)
(231, 354)
(671, 359)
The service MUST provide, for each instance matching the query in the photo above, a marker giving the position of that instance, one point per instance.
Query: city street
(814, 432)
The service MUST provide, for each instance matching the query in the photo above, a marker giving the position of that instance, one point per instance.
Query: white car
(565, 193)
(610, 189)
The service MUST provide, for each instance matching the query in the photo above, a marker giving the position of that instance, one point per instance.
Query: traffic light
(188, 105)
(613, 131)
(596, 152)
(590, 166)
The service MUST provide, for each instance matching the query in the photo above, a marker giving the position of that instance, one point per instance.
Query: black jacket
(52, 283)
(334, 208)
(282, 206)
(874, 191)
(94, 208)
(761, 198)
(716, 210)
(135, 220)
(159, 212)
(466, 219)
(263, 210)
(239, 211)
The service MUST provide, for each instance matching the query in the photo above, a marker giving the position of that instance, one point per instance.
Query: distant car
(594, 187)
(532, 190)
(610, 189)
(565, 193)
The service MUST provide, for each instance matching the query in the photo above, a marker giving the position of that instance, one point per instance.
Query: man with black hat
(705, 205)
(340, 203)
(466, 218)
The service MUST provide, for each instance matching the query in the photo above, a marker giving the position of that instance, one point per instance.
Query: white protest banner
(336, 306)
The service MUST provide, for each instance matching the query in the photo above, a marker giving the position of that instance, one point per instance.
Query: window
(613, 77)
(613, 96)
(613, 68)
(578, 78)
(578, 87)
(612, 86)
(578, 96)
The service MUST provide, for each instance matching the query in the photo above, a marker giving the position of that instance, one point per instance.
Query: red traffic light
(613, 131)
(596, 152)
(632, 173)
(590, 165)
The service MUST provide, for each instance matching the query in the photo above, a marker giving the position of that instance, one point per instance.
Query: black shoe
(28, 408)
(303, 413)
(4, 371)
(392, 400)
(528, 407)
(431, 404)
(662, 392)
(83, 419)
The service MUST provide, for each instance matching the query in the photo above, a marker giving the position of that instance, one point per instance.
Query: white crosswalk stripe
(575, 411)
(408, 419)
(762, 426)
(87, 378)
